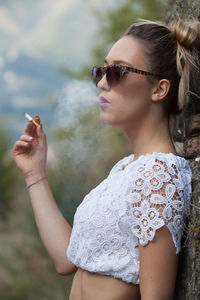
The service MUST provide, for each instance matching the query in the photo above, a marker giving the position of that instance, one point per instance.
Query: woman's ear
(160, 90)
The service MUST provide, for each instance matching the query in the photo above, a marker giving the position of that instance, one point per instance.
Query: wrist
(33, 176)
(37, 181)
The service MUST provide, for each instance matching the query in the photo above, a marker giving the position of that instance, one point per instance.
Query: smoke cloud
(77, 117)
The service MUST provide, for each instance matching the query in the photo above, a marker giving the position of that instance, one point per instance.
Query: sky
(38, 37)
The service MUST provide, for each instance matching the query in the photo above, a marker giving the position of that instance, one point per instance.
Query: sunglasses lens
(96, 74)
(113, 75)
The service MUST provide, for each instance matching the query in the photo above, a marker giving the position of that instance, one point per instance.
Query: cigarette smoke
(77, 116)
(74, 101)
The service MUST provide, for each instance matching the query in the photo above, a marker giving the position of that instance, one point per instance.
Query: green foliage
(116, 21)
(113, 23)
(7, 172)
(25, 272)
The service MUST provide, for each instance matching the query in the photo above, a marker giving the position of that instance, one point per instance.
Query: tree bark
(188, 279)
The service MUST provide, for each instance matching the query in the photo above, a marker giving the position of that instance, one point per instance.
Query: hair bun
(186, 33)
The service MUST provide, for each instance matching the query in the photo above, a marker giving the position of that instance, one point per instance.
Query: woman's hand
(30, 151)
(30, 154)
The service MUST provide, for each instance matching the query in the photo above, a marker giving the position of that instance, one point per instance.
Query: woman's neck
(151, 137)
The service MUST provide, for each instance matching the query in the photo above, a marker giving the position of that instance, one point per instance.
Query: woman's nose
(103, 83)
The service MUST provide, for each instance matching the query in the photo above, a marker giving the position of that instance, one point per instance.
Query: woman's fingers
(34, 131)
(31, 128)
(21, 144)
(33, 135)
(20, 147)
(41, 135)
(26, 138)
(37, 119)
(39, 138)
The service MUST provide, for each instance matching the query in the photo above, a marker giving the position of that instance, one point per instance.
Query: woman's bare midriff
(90, 286)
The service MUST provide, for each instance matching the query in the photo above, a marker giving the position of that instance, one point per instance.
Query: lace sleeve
(157, 199)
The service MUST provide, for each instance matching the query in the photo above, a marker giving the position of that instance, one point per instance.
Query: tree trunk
(188, 279)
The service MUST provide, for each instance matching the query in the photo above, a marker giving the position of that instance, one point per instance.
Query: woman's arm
(30, 153)
(158, 267)
(54, 230)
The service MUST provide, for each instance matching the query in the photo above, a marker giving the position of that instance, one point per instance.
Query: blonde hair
(187, 58)
(172, 52)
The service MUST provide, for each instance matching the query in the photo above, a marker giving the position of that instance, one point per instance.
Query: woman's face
(130, 100)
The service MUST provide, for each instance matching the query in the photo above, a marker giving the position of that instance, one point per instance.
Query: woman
(127, 231)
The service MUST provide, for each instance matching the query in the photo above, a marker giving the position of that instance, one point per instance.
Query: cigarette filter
(31, 119)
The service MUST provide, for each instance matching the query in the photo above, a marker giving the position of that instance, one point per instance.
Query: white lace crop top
(137, 198)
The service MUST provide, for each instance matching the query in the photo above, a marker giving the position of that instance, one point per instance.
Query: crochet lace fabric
(137, 198)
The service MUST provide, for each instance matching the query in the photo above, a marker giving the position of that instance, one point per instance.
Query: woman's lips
(103, 101)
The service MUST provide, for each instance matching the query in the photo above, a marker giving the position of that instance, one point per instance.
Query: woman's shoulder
(167, 159)
(156, 167)
(153, 172)
(122, 163)
(164, 166)
(160, 162)
(170, 160)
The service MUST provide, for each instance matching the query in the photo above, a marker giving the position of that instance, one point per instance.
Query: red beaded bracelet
(43, 178)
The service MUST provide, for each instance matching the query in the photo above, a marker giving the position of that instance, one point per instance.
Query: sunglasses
(114, 73)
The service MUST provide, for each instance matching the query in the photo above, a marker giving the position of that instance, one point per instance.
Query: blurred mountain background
(47, 50)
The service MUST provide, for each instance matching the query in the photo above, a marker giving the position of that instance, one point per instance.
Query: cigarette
(31, 119)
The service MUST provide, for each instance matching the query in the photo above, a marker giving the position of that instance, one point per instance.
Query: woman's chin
(105, 121)
(109, 121)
